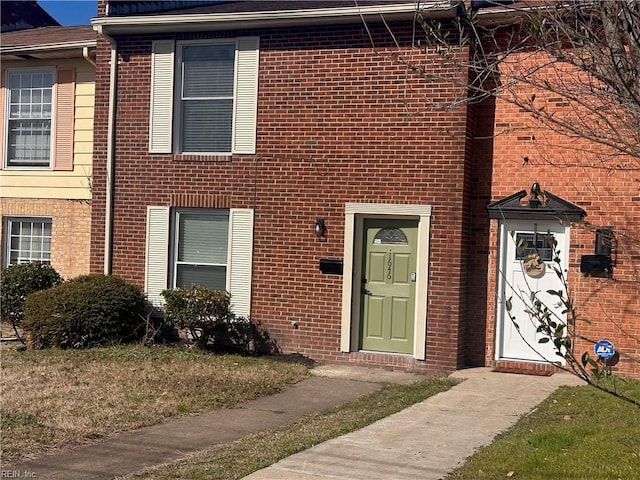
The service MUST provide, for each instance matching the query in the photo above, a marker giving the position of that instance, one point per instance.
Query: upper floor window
(204, 96)
(30, 105)
(37, 119)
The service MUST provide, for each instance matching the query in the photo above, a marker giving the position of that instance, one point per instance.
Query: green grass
(254, 452)
(579, 433)
(59, 398)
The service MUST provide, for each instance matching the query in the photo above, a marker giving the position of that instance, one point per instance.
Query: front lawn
(57, 398)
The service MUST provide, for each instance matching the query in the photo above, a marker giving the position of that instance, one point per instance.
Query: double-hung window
(200, 249)
(27, 239)
(204, 96)
(37, 118)
(30, 105)
(199, 246)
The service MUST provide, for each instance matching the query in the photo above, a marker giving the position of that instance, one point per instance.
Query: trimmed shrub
(200, 310)
(87, 311)
(18, 281)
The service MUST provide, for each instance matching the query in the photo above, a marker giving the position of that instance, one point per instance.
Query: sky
(71, 12)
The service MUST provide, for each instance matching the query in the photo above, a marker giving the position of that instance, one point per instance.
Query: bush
(18, 281)
(246, 336)
(200, 310)
(87, 311)
(207, 315)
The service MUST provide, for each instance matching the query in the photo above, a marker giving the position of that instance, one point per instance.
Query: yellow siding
(73, 184)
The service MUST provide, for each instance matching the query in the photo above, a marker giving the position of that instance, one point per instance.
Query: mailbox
(596, 264)
(332, 266)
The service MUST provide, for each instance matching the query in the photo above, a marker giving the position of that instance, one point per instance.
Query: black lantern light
(320, 228)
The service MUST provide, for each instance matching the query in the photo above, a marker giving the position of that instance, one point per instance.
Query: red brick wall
(582, 173)
(333, 127)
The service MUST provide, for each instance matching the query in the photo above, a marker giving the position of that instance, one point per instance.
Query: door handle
(366, 292)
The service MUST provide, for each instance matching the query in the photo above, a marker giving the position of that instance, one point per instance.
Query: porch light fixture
(534, 201)
(320, 228)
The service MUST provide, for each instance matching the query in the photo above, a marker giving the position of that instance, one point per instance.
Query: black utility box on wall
(331, 266)
(596, 264)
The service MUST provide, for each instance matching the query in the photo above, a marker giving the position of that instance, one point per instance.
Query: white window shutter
(161, 121)
(157, 265)
(240, 259)
(246, 101)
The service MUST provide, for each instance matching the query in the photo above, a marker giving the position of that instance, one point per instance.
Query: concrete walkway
(428, 439)
(424, 441)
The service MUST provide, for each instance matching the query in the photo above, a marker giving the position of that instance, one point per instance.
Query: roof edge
(273, 19)
(47, 47)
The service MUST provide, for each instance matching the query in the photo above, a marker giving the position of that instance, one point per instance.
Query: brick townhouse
(274, 149)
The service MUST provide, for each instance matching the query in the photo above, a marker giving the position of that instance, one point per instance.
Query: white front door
(518, 339)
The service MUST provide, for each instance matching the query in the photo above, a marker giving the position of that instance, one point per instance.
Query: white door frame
(506, 226)
(355, 213)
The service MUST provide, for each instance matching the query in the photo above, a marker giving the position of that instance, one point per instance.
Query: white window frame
(8, 234)
(7, 111)
(178, 100)
(175, 235)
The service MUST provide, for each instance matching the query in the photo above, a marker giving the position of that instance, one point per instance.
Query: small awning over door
(540, 206)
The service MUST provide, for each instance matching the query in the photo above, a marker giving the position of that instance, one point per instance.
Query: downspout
(108, 217)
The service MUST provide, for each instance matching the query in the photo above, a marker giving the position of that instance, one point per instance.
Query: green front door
(388, 285)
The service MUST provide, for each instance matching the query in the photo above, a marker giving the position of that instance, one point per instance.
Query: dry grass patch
(57, 398)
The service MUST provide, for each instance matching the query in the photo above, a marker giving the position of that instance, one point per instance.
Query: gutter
(165, 23)
(508, 14)
(26, 49)
(108, 217)
(85, 55)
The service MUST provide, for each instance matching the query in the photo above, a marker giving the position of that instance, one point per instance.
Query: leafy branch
(556, 322)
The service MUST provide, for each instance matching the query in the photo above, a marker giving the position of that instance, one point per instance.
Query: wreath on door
(533, 265)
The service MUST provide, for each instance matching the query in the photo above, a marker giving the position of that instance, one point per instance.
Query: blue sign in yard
(604, 349)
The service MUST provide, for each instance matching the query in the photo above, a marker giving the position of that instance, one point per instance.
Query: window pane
(29, 143)
(207, 125)
(214, 277)
(202, 238)
(208, 70)
(530, 243)
(391, 235)
(24, 228)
